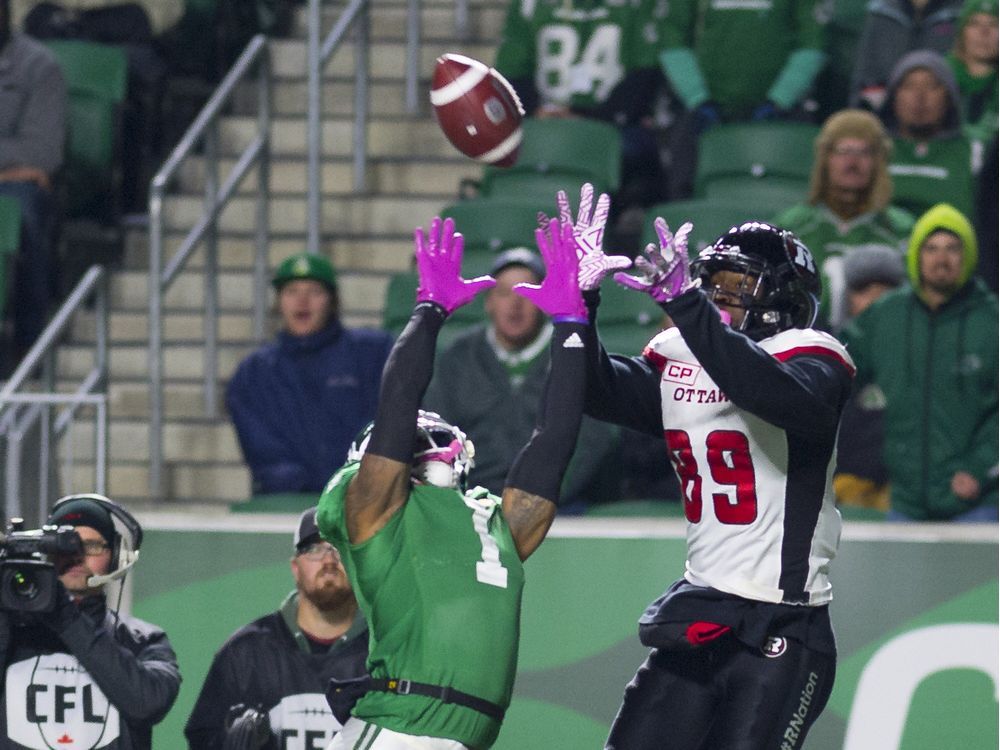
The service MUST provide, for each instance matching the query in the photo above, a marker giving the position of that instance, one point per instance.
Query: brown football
(477, 109)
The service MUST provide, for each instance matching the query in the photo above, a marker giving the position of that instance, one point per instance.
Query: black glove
(63, 613)
(246, 728)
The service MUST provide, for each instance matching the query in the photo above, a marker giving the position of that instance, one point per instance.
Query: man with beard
(932, 348)
(281, 663)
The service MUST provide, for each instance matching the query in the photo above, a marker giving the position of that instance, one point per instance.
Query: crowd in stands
(901, 96)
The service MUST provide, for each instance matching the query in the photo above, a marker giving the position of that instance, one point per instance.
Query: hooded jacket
(938, 370)
(924, 170)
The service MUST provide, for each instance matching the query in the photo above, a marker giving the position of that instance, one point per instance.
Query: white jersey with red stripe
(761, 518)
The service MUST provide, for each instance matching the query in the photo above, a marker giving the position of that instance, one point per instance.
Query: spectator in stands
(780, 53)
(931, 159)
(932, 348)
(848, 208)
(281, 664)
(32, 138)
(136, 28)
(592, 59)
(892, 29)
(860, 478)
(973, 60)
(84, 673)
(298, 401)
(490, 381)
(843, 33)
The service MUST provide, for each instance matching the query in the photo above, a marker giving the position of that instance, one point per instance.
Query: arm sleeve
(205, 728)
(678, 60)
(796, 78)
(405, 378)
(143, 685)
(539, 467)
(622, 390)
(41, 133)
(803, 394)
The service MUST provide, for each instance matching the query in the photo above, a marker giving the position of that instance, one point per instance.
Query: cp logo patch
(774, 647)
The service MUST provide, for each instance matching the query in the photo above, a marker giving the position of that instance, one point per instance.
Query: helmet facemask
(442, 454)
(780, 288)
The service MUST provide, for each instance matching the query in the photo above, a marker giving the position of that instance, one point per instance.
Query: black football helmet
(782, 289)
(442, 454)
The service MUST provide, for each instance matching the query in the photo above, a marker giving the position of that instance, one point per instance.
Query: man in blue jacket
(298, 401)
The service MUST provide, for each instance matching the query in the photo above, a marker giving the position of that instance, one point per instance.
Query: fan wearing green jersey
(436, 567)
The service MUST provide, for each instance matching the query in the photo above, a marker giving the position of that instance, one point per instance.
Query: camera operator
(83, 675)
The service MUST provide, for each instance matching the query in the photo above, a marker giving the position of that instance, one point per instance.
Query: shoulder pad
(806, 341)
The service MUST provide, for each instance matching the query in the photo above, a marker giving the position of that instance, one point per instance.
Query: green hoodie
(938, 370)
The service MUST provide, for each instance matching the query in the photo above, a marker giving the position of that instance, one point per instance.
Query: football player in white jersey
(748, 398)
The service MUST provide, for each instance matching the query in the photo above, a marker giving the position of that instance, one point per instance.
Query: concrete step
(437, 20)
(393, 215)
(129, 290)
(236, 249)
(132, 326)
(289, 176)
(128, 483)
(386, 59)
(195, 442)
(405, 137)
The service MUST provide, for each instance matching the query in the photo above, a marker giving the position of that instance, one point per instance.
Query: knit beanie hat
(85, 512)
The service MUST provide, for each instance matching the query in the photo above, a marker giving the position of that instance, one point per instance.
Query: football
(477, 109)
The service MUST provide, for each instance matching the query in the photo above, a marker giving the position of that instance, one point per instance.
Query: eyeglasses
(94, 547)
(852, 151)
(317, 550)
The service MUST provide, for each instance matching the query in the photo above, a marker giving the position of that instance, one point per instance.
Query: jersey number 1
(489, 570)
(728, 457)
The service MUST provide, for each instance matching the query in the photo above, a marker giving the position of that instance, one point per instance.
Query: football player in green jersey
(437, 568)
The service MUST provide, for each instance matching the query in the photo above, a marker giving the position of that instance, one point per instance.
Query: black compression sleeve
(541, 464)
(406, 376)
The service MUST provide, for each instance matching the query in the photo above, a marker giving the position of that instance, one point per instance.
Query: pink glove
(439, 266)
(588, 232)
(559, 293)
(665, 272)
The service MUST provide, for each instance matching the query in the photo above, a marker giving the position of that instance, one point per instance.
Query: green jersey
(927, 173)
(577, 51)
(741, 53)
(440, 585)
(831, 239)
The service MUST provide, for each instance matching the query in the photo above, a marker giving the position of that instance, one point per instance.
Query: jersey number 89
(728, 457)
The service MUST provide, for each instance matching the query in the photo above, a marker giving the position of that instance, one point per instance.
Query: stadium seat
(96, 77)
(570, 151)
(399, 301)
(761, 150)
(710, 217)
(765, 197)
(626, 319)
(494, 224)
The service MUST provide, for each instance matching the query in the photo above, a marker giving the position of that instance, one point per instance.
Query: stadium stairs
(412, 173)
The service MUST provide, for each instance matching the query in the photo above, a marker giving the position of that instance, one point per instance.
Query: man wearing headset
(84, 675)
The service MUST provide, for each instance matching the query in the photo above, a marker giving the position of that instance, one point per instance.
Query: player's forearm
(405, 378)
(539, 467)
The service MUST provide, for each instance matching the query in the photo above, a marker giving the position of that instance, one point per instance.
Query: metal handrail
(205, 129)
(318, 54)
(92, 390)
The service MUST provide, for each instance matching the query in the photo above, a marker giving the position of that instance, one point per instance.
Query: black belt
(443, 694)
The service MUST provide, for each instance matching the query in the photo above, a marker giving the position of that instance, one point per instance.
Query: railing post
(260, 266)
(314, 134)
(156, 341)
(361, 72)
(211, 273)
(412, 56)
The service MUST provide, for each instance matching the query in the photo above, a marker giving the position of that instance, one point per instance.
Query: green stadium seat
(399, 300)
(626, 319)
(96, 77)
(711, 218)
(573, 150)
(765, 197)
(761, 150)
(494, 224)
